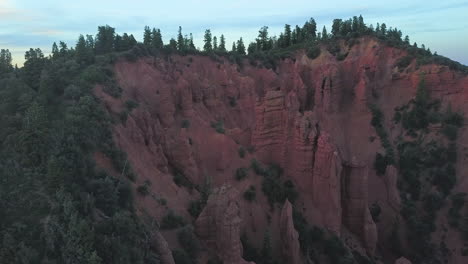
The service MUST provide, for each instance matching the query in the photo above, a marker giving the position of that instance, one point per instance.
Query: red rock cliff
(309, 116)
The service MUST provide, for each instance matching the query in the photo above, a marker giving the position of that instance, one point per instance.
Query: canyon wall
(310, 117)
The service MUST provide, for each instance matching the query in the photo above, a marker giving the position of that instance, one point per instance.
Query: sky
(440, 25)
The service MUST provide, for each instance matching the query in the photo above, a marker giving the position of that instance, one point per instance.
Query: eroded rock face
(326, 184)
(289, 237)
(356, 215)
(161, 246)
(402, 260)
(219, 225)
(311, 117)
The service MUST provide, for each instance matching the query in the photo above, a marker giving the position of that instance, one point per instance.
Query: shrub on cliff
(241, 173)
(250, 194)
(172, 221)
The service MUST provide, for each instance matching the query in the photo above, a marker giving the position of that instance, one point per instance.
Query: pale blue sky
(440, 25)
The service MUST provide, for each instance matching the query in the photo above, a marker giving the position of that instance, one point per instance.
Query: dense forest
(56, 205)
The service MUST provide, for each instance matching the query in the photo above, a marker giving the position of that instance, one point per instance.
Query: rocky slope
(309, 116)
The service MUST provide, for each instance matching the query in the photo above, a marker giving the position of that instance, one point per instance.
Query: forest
(56, 205)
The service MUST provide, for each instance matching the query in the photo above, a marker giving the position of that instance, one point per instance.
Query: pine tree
(84, 51)
(215, 43)
(63, 48)
(362, 25)
(5, 61)
(222, 44)
(234, 48)
(287, 35)
(55, 50)
(105, 39)
(191, 45)
(180, 40)
(407, 40)
(240, 47)
(252, 48)
(147, 36)
(207, 39)
(294, 39)
(263, 41)
(336, 27)
(383, 29)
(324, 33)
(157, 42)
(173, 44)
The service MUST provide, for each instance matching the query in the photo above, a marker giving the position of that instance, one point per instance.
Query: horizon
(29, 24)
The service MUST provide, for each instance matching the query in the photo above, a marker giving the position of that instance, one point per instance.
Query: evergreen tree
(191, 45)
(287, 35)
(355, 24)
(362, 25)
(234, 48)
(263, 41)
(324, 33)
(252, 48)
(336, 27)
(407, 40)
(147, 36)
(240, 46)
(207, 39)
(118, 43)
(105, 39)
(173, 44)
(294, 39)
(83, 51)
(5, 61)
(33, 67)
(383, 29)
(63, 48)
(55, 50)
(309, 31)
(222, 44)
(180, 40)
(215, 43)
(157, 42)
(90, 42)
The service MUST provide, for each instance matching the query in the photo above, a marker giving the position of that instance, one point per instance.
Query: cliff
(309, 116)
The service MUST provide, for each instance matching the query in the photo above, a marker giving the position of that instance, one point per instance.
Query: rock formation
(219, 225)
(310, 117)
(291, 249)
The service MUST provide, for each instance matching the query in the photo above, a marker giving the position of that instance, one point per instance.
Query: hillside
(345, 151)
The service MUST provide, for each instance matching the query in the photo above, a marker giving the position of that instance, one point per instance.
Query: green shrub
(232, 101)
(123, 116)
(130, 105)
(250, 194)
(241, 173)
(241, 152)
(458, 201)
(143, 189)
(380, 164)
(218, 126)
(342, 56)
(180, 257)
(189, 241)
(185, 123)
(172, 221)
(257, 167)
(404, 62)
(450, 131)
(375, 211)
(313, 52)
(181, 180)
(196, 207)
